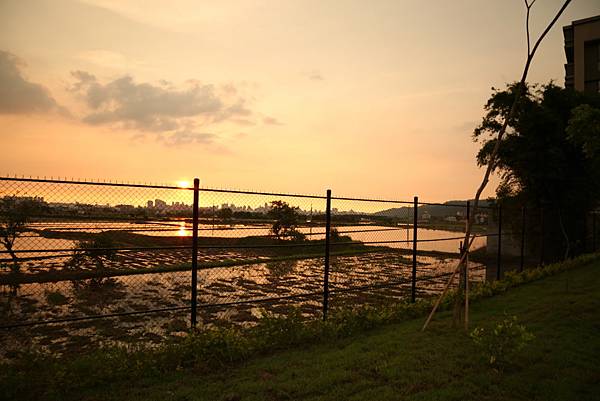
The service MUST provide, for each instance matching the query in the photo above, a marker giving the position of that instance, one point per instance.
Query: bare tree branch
(528, 6)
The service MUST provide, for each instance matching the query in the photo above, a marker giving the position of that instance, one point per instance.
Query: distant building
(582, 50)
(150, 204)
(481, 218)
(21, 199)
(160, 204)
(125, 208)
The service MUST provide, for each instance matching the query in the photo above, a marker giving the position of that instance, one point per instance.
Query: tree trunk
(15, 267)
(459, 300)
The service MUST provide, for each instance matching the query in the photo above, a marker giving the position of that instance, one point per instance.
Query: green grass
(398, 361)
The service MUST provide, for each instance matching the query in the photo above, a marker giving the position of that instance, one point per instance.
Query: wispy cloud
(111, 60)
(185, 137)
(466, 127)
(271, 121)
(314, 75)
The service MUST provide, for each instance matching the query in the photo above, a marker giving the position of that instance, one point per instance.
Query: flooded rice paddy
(235, 294)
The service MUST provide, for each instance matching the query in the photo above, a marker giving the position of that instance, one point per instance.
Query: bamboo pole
(467, 291)
(445, 290)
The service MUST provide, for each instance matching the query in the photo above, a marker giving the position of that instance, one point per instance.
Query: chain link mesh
(84, 263)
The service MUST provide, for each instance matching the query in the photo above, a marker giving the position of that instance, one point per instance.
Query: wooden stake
(443, 294)
(467, 291)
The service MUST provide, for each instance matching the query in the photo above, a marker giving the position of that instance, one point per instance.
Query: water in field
(396, 237)
(236, 294)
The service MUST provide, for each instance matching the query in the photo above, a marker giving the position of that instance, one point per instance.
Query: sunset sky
(373, 99)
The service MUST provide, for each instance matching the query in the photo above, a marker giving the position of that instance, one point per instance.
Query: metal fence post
(468, 211)
(463, 247)
(413, 289)
(499, 258)
(326, 274)
(523, 215)
(194, 300)
(542, 228)
(594, 231)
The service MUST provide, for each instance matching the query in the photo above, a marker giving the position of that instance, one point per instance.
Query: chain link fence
(84, 263)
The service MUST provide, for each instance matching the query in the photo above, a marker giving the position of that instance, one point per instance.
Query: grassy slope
(400, 362)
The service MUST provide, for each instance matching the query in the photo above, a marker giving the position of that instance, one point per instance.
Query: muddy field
(234, 294)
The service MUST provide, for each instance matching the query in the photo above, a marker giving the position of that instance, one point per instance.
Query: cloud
(185, 137)
(173, 115)
(110, 60)
(271, 121)
(17, 94)
(160, 108)
(315, 75)
(466, 127)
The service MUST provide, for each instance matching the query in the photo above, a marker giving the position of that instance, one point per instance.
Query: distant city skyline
(159, 208)
(366, 99)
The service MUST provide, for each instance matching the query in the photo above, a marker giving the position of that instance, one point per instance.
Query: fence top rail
(247, 192)
(93, 183)
(219, 190)
(463, 205)
(154, 186)
(372, 200)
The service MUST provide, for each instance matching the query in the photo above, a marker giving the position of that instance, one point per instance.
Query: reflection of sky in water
(227, 284)
(31, 240)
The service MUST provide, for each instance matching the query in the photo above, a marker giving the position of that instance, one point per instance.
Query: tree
(584, 129)
(14, 215)
(225, 214)
(98, 250)
(286, 220)
(549, 157)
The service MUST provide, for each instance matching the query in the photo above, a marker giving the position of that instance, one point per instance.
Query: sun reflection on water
(182, 232)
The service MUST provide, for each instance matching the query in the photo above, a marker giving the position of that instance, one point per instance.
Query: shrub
(502, 343)
(274, 331)
(96, 252)
(296, 236)
(56, 298)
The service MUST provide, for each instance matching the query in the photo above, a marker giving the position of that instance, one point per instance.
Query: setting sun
(184, 184)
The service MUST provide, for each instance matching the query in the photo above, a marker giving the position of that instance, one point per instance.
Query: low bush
(503, 341)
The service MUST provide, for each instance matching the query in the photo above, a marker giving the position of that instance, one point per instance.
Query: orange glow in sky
(368, 99)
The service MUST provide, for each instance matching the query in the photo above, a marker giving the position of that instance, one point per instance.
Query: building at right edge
(582, 49)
